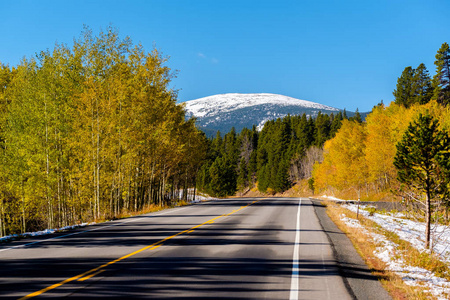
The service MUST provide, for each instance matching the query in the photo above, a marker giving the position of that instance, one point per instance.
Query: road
(247, 248)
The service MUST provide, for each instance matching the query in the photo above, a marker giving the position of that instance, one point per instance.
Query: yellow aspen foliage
(91, 132)
(344, 164)
(436, 110)
(324, 173)
(384, 130)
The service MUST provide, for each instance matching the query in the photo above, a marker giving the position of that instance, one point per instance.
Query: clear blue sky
(347, 54)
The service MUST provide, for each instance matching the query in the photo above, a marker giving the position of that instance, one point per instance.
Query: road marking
(295, 258)
(93, 229)
(92, 275)
(99, 269)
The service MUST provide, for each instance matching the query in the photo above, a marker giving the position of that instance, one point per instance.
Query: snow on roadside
(198, 198)
(43, 232)
(386, 251)
(411, 231)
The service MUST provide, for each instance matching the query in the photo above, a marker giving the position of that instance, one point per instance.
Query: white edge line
(295, 258)
(93, 229)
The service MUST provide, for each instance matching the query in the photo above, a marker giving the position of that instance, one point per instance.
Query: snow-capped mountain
(221, 112)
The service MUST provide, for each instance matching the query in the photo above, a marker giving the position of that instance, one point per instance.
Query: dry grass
(366, 247)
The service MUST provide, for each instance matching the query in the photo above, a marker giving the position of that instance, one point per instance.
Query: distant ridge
(221, 112)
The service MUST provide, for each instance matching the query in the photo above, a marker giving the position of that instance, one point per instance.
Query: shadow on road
(176, 272)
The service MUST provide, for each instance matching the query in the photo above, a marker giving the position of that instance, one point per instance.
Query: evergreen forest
(273, 159)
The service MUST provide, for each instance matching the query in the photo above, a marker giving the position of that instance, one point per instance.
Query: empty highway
(242, 248)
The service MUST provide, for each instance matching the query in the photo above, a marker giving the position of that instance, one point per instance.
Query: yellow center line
(91, 273)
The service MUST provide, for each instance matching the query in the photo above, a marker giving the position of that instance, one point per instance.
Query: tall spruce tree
(422, 87)
(419, 162)
(441, 81)
(403, 93)
(356, 117)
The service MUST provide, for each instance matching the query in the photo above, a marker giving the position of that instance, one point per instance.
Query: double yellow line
(93, 272)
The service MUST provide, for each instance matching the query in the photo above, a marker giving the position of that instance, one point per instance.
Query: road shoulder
(357, 276)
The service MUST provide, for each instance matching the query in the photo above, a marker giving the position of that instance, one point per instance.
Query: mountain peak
(223, 111)
(218, 104)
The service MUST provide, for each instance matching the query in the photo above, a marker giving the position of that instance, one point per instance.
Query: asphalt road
(244, 248)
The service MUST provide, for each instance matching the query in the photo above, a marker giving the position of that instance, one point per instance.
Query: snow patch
(413, 232)
(218, 104)
(42, 232)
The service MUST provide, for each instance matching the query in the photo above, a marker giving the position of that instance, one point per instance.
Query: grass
(425, 260)
(366, 247)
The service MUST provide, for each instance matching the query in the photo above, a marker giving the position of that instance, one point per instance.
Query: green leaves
(90, 132)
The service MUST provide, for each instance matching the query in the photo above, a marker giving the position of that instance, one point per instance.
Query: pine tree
(422, 87)
(441, 81)
(336, 124)
(322, 129)
(404, 92)
(223, 178)
(356, 117)
(418, 160)
(242, 179)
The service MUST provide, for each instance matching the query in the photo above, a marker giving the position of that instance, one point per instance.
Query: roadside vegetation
(406, 271)
(403, 148)
(92, 132)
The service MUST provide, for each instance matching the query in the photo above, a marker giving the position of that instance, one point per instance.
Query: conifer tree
(322, 129)
(441, 81)
(419, 159)
(422, 87)
(223, 178)
(356, 117)
(336, 124)
(242, 179)
(403, 94)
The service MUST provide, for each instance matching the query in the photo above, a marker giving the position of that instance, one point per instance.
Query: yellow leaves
(344, 163)
(364, 154)
(94, 128)
(380, 143)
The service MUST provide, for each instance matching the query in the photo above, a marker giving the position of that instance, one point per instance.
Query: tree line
(272, 159)
(361, 155)
(89, 132)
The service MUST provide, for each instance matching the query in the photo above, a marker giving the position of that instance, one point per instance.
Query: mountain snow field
(224, 111)
(214, 105)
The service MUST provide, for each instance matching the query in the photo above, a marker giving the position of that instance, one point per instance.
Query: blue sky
(346, 54)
